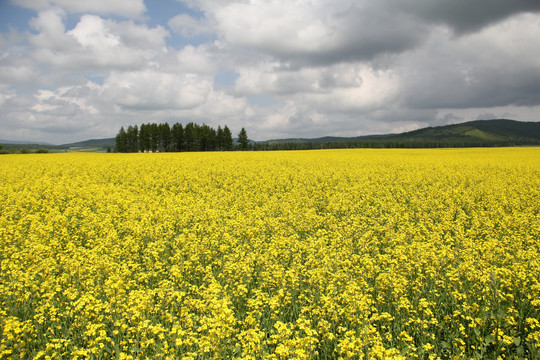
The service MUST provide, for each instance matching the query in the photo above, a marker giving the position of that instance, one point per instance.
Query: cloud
(50, 29)
(95, 43)
(464, 16)
(375, 90)
(280, 68)
(316, 32)
(493, 67)
(13, 74)
(150, 90)
(50, 114)
(125, 8)
(325, 32)
(337, 88)
(197, 60)
(107, 43)
(189, 27)
(271, 77)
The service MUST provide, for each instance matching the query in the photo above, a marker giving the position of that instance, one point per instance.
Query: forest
(153, 137)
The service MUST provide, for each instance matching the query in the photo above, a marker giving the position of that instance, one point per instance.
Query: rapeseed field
(338, 254)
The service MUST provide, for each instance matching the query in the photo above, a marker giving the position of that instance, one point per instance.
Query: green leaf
(489, 339)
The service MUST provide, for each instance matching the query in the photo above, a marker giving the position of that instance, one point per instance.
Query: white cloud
(336, 88)
(94, 44)
(287, 25)
(91, 32)
(151, 90)
(109, 44)
(198, 60)
(377, 89)
(125, 8)
(189, 27)
(52, 115)
(17, 74)
(73, 99)
(51, 30)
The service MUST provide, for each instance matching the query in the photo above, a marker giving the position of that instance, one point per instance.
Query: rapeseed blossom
(338, 254)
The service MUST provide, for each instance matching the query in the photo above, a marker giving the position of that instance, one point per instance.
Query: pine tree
(155, 137)
(122, 141)
(219, 138)
(132, 138)
(145, 143)
(189, 137)
(165, 137)
(207, 138)
(227, 139)
(178, 137)
(243, 139)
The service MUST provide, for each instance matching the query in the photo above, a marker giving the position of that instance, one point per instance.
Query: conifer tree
(178, 137)
(122, 141)
(243, 139)
(154, 137)
(132, 135)
(189, 137)
(219, 138)
(165, 137)
(227, 139)
(144, 138)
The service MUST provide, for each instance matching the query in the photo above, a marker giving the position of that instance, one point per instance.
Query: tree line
(153, 137)
(386, 144)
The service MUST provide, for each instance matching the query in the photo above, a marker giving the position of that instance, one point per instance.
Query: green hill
(93, 145)
(498, 132)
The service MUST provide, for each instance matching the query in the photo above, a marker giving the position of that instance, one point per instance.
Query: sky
(73, 70)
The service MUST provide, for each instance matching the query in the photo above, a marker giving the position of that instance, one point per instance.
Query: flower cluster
(338, 254)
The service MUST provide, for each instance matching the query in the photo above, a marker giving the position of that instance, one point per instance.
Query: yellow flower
(382, 254)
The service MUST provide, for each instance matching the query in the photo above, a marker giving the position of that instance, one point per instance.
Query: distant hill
(323, 139)
(97, 145)
(94, 145)
(15, 142)
(497, 132)
(480, 130)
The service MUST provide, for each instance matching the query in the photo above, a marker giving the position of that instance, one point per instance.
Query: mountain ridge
(499, 129)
